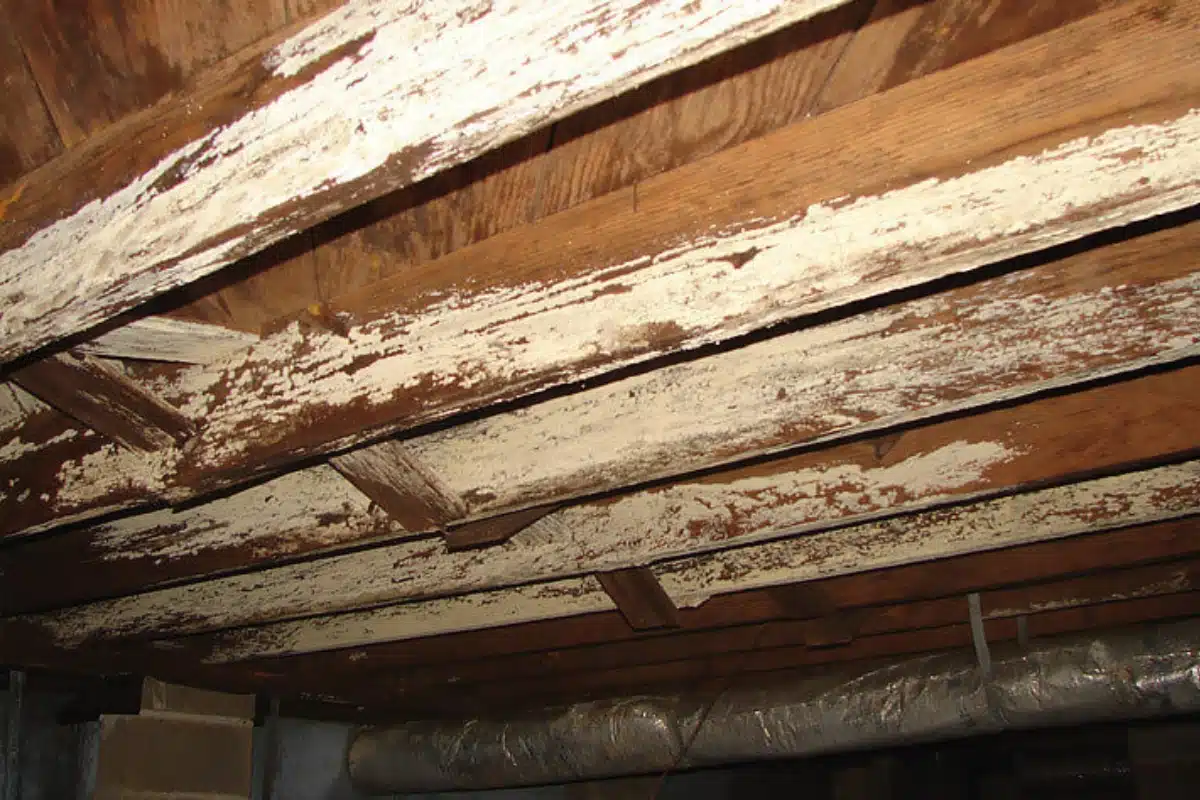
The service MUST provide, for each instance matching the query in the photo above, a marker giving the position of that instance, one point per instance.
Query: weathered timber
(168, 339)
(714, 672)
(314, 510)
(101, 396)
(1098, 312)
(305, 124)
(389, 475)
(382, 575)
(1108, 586)
(640, 598)
(539, 646)
(1120, 83)
(28, 138)
(493, 530)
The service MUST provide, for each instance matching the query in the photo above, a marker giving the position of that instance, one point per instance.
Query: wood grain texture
(403, 487)
(956, 460)
(393, 372)
(28, 137)
(493, 530)
(640, 598)
(1138, 498)
(314, 510)
(590, 662)
(101, 396)
(168, 339)
(342, 111)
(537, 648)
(749, 92)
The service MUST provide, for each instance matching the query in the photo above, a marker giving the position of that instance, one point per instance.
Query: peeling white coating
(304, 510)
(1129, 499)
(16, 406)
(431, 86)
(636, 529)
(552, 600)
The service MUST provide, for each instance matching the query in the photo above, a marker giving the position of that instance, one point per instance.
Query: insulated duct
(1132, 674)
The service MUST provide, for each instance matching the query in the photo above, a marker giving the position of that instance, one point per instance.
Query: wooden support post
(640, 598)
(100, 396)
(400, 485)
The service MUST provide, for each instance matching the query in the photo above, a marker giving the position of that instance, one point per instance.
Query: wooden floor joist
(1116, 143)
(640, 598)
(366, 100)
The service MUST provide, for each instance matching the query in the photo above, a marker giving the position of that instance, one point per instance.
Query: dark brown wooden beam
(99, 395)
(640, 598)
(493, 530)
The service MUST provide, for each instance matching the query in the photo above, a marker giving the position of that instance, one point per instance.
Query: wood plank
(741, 95)
(539, 645)
(101, 396)
(714, 672)
(338, 392)
(308, 511)
(28, 138)
(168, 339)
(402, 486)
(338, 113)
(1108, 586)
(640, 598)
(1135, 498)
(500, 464)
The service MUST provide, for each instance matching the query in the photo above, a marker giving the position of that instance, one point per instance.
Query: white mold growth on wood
(400, 92)
(1106, 503)
(1129, 499)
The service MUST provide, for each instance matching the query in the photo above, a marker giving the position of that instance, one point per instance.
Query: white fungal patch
(169, 339)
(552, 600)
(647, 525)
(825, 256)
(1052, 513)
(430, 87)
(1129, 499)
(306, 510)
(16, 406)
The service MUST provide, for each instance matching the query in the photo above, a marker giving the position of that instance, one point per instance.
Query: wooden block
(640, 598)
(400, 485)
(494, 530)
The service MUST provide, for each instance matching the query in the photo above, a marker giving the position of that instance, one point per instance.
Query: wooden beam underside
(807, 394)
(367, 100)
(339, 392)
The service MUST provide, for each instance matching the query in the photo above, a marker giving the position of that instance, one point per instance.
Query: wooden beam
(1104, 428)
(403, 487)
(101, 396)
(700, 644)
(168, 339)
(341, 111)
(538, 645)
(640, 598)
(316, 510)
(1116, 143)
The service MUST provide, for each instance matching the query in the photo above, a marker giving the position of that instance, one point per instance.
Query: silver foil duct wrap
(1132, 674)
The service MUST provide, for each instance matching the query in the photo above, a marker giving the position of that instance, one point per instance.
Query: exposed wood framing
(513, 325)
(539, 648)
(315, 510)
(1130, 499)
(369, 99)
(389, 475)
(640, 598)
(493, 530)
(169, 339)
(101, 396)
